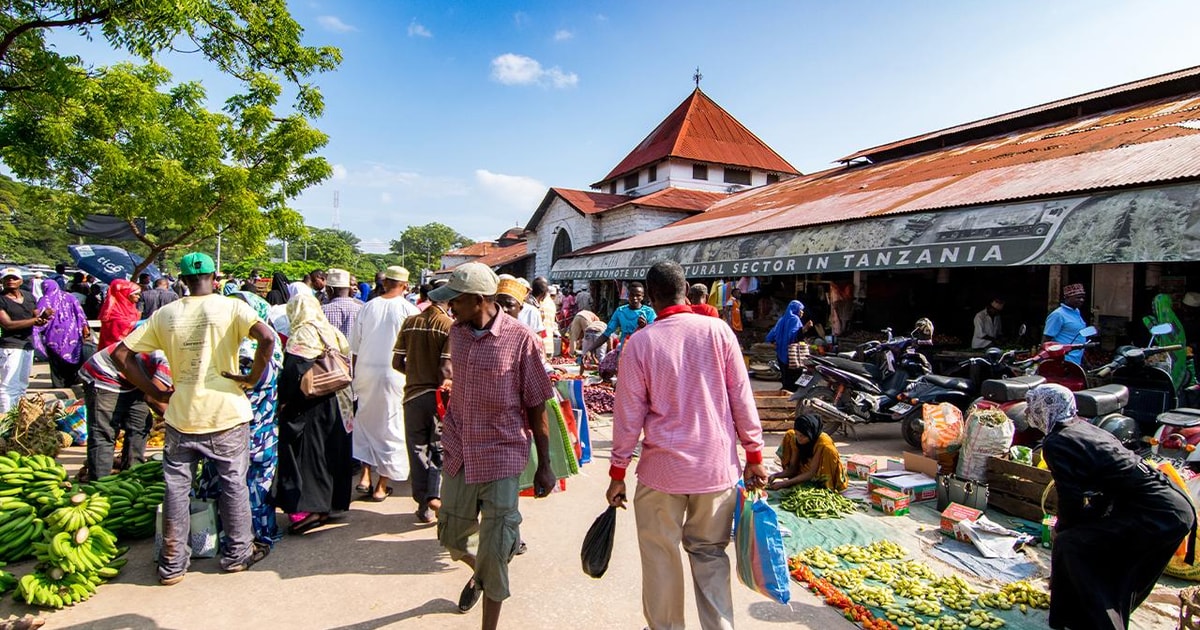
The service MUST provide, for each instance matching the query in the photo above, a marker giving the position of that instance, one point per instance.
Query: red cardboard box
(955, 513)
(861, 466)
(890, 502)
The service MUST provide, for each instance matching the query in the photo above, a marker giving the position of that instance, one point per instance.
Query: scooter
(1052, 364)
(845, 392)
(1103, 406)
(960, 392)
(1152, 390)
(1178, 437)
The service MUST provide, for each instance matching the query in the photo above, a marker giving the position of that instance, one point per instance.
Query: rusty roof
(482, 248)
(584, 201)
(677, 199)
(1187, 79)
(1151, 142)
(701, 130)
(501, 256)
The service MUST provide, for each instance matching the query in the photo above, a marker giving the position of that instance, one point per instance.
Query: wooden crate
(776, 412)
(1017, 489)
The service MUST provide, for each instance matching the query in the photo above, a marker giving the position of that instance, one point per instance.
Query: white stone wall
(559, 216)
(450, 262)
(631, 220)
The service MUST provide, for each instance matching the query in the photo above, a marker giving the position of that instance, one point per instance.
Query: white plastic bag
(989, 433)
(203, 535)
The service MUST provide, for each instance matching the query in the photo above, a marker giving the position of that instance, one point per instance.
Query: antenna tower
(337, 219)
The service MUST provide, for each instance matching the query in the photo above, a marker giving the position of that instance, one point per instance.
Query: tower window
(653, 173)
(737, 176)
(631, 182)
(699, 171)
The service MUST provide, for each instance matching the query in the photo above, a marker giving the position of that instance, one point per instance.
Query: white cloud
(339, 172)
(521, 19)
(515, 190)
(600, 17)
(513, 69)
(335, 24)
(562, 35)
(385, 197)
(418, 30)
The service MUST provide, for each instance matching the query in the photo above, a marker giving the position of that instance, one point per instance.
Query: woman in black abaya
(1119, 519)
(315, 467)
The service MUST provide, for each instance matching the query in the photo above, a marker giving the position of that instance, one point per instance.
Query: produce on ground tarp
(815, 502)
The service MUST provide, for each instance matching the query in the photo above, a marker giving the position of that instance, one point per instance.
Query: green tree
(339, 248)
(241, 37)
(128, 146)
(421, 246)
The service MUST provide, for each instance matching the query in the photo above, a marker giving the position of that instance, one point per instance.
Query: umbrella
(108, 263)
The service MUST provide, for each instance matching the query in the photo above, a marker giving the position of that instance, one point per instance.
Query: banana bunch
(818, 558)
(132, 508)
(7, 580)
(1023, 593)
(19, 525)
(902, 616)
(56, 588)
(845, 578)
(16, 471)
(981, 619)
(82, 511)
(146, 473)
(88, 550)
(996, 600)
(886, 550)
(877, 596)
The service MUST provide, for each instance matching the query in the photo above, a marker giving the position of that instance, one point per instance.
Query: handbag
(329, 374)
(954, 489)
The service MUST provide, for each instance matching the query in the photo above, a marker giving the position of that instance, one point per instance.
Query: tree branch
(20, 29)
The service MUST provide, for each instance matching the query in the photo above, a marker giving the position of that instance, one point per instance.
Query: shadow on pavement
(778, 613)
(431, 607)
(118, 622)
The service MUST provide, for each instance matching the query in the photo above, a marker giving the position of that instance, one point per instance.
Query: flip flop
(363, 488)
(312, 521)
(379, 499)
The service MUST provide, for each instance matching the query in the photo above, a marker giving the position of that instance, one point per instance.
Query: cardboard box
(861, 466)
(917, 486)
(955, 513)
(917, 462)
(890, 502)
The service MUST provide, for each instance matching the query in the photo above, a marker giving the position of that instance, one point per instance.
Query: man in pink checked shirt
(684, 388)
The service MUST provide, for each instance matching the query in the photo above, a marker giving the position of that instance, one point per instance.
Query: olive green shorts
(499, 529)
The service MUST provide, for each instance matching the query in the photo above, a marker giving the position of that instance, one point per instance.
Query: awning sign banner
(1158, 224)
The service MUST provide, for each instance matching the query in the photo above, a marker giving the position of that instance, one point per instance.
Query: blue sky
(466, 112)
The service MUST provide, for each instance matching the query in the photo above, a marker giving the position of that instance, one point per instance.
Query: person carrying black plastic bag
(1119, 519)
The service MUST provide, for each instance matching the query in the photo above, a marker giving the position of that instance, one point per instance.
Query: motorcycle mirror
(1022, 330)
(1162, 329)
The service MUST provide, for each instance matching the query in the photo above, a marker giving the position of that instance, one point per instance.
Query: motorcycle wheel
(912, 427)
(825, 394)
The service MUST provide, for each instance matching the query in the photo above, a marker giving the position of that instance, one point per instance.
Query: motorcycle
(1103, 406)
(1052, 364)
(1152, 389)
(960, 392)
(845, 391)
(1178, 437)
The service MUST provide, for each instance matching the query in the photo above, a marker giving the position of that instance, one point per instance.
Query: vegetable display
(815, 502)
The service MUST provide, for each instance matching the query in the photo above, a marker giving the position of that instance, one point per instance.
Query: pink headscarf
(119, 313)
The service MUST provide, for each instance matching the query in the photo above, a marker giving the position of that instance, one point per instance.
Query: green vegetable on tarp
(814, 502)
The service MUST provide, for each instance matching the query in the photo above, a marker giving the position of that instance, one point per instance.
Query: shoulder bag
(329, 374)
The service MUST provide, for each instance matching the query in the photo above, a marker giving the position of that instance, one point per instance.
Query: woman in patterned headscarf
(1119, 519)
(264, 434)
(61, 339)
(808, 455)
(315, 466)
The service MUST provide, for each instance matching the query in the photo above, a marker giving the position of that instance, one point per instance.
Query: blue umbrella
(108, 263)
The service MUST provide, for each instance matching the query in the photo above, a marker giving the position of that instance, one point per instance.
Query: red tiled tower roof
(701, 130)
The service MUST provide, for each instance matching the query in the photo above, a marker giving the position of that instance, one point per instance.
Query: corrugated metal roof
(589, 202)
(482, 248)
(678, 199)
(701, 130)
(1144, 144)
(1029, 112)
(504, 255)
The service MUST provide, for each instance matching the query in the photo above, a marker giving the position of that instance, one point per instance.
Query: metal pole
(218, 251)
(285, 251)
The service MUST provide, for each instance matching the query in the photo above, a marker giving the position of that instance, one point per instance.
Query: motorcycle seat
(865, 370)
(1002, 390)
(949, 382)
(1102, 400)
(1182, 417)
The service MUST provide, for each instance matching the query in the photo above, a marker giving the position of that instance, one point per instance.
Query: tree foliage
(242, 38)
(130, 144)
(421, 246)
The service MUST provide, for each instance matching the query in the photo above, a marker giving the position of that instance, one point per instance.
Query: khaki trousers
(702, 522)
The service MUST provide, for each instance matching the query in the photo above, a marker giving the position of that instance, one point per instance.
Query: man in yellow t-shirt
(207, 413)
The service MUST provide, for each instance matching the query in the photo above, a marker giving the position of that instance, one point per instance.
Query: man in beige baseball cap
(476, 278)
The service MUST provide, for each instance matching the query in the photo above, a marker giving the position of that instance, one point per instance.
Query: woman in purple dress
(62, 338)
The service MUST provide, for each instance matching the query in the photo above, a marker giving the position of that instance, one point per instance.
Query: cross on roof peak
(696, 77)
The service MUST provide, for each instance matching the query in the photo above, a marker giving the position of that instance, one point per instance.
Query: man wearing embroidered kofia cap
(1064, 323)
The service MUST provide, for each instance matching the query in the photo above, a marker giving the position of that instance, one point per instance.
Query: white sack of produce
(989, 433)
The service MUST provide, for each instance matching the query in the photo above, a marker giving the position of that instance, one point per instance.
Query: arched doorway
(562, 246)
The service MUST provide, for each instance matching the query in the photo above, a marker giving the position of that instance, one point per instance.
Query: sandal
(260, 551)
(363, 488)
(312, 521)
(379, 499)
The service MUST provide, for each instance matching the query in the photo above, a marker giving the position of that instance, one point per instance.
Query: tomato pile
(836, 598)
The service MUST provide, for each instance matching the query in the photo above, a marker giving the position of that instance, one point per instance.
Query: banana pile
(76, 554)
(135, 495)
(7, 580)
(1025, 594)
(19, 526)
(818, 558)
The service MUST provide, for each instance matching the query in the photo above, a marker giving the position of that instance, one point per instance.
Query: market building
(1101, 188)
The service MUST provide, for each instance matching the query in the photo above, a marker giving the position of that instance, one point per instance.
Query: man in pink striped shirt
(684, 388)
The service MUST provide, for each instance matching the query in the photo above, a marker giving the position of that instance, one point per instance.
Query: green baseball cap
(196, 263)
